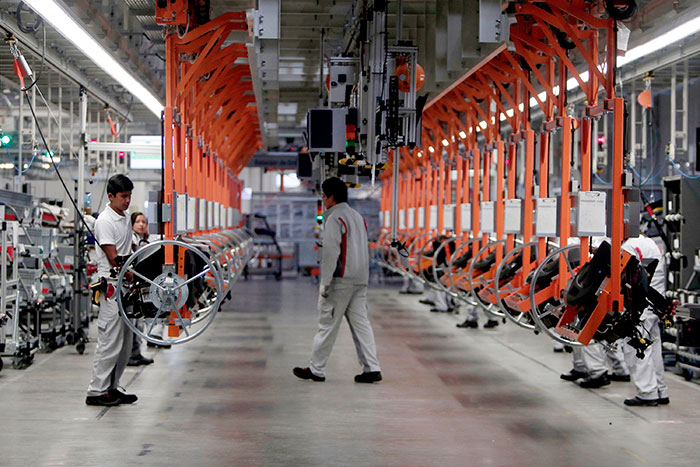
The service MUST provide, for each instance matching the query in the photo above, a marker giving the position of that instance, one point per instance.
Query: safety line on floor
(556, 372)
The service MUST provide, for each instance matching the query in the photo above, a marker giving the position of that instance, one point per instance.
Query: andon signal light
(601, 139)
(5, 140)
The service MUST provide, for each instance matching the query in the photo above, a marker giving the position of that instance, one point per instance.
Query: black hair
(118, 184)
(135, 215)
(336, 188)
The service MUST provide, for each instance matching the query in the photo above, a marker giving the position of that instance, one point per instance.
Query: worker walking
(114, 338)
(343, 290)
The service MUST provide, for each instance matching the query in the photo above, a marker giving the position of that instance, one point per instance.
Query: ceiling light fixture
(462, 134)
(51, 12)
(431, 149)
(445, 142)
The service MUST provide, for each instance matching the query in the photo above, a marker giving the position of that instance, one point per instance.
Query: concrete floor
(450, 397)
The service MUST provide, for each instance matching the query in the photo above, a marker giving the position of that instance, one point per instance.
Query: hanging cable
(53, 162)
(680, 171)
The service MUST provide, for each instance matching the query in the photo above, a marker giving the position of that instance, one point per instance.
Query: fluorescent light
(420, 154)
(462, 134)
(431, 149)
(483, 124)
(51, 12)
(664, 40)
(445, 142)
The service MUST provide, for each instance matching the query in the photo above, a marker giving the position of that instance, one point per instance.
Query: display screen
(146, 160)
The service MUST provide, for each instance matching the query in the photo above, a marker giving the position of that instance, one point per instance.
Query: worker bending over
(114, 338)
(343, 291)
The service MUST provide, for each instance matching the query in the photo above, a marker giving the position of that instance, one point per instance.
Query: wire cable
(60, 178)
(680, 171)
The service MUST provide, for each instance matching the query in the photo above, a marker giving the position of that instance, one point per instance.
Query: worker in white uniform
(114, 338)
(343, 291)
(648, 372)
(590, 363)
(411, 286)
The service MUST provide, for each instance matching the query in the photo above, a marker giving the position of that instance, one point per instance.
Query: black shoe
(438, 310)
(469, 323)
(558, 349)
(568, 348)
(425, 301)
(622, 378)
(134, 362)
(595, 383)
(158, 346)
(369, 377)
(637, 402)
(105, 400)
(404, 292)
(573, 375)
(663, 400)
(305, 373)
(492, 323)
(123, 398)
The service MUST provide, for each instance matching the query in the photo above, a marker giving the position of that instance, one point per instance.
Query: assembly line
(500, 197)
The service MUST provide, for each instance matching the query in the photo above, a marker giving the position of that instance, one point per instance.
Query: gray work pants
(349, 301)
(114, 339)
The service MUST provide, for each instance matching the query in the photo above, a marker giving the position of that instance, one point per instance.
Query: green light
(319, 217)
(5, 140)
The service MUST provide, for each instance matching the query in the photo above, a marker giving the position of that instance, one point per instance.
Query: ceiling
(446, 32)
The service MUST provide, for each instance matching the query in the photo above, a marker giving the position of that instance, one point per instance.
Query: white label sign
(466, 220)
(191, 214)
(402, 219)
(411, 218)
(210, 214)
(590, 213)
(448, 217)
(202, 214)
(487, 216)
(546, 217)
(433, 217)
(181, 214)
(513, 216)
(421, 218)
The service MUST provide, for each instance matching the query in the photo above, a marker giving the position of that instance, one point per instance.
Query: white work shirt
(111, 229)
(345, 253)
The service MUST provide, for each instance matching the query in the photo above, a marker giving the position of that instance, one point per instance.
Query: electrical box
(411, 218)
(387, 219)
(341, 80)
(202, 225)
(466, 215)
(546, 224)
(210, 214)
(402, 219)
(588, 214)
(513, 216)
(433, 217)
(216, 213)
(448, 217)
(421, 218)
(487, 216)
(326, 129)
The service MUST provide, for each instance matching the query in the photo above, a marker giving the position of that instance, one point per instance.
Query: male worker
(343, 291)
(113, 234)
(648, 372)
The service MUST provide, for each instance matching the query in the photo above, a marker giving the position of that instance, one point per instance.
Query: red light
(122, 154)
(93, 140)
(601, 139)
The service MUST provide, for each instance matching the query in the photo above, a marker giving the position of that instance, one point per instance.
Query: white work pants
(440, 300)
(473, 313)
(349, 301)
(648, 373)
(114, 339)
(412, 285)
(594, 357)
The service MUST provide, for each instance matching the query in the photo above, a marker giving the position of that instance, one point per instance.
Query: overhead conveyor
(524, 255)
(210, 132)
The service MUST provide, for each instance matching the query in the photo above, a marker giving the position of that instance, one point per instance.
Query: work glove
(324, 291)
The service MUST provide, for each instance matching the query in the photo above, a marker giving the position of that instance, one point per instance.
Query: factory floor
(457, 397)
